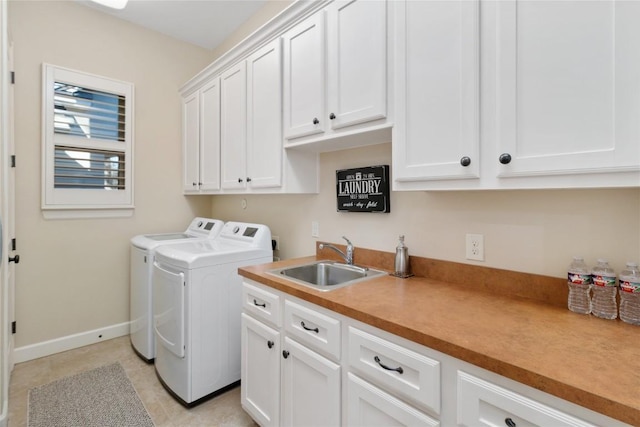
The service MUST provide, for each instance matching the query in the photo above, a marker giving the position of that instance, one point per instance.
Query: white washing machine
(197, 299)
(143, 248)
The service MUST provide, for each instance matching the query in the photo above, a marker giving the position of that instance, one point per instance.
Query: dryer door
(168, 307)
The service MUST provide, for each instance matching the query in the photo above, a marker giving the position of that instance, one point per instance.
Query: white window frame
(74, 202)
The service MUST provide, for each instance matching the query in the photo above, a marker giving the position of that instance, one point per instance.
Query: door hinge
(13, 327)
(14, 244)
(13, 160)
(13, 77)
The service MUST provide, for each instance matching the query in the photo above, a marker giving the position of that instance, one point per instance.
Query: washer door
(168, 308)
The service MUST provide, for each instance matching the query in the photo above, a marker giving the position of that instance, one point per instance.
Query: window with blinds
(87, 141)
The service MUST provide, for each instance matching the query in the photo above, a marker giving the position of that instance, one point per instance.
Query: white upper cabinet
(201, 139)
(233, 126)
(560, 94)
(568, 86)
(436, 133)
(304, 76)
(357, 62)
(335, 77)
(191, 142)
(264, 117)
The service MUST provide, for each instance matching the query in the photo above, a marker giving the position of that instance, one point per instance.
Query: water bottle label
(633, 287)
(604, 280)
(579, 279)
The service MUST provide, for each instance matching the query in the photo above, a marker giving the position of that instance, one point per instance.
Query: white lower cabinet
(304, 365)
(310, 387)
(368, 406)
(260, 392)
(482, 403)
(289, 380)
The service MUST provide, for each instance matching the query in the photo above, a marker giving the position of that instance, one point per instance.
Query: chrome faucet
(348, 257)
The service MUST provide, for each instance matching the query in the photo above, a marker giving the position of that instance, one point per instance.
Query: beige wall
(74, 274)
(532, 231)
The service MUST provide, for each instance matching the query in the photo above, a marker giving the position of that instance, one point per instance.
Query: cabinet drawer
(312, 328)
(402, 372)
(261, 304)
(483, 403)
(367, 405)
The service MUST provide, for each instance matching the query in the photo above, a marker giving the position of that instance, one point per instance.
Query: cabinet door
(568, 86)
(436, 131)
(260, 378)
(233, 126)
(357, 61)
(190, 142)
(304, 78)
(264, 117)
(310, 387)
(210, 136)
(368, 406)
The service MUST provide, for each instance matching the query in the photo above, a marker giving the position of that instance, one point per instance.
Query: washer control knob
(236, 229)
(199, 224)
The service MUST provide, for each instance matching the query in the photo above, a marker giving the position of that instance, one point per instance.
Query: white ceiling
(204, 23)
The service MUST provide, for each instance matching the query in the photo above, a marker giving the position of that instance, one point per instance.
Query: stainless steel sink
(327, 275)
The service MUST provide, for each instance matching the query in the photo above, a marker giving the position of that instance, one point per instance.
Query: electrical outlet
(475, 247)
(277, 240)
(315, 229)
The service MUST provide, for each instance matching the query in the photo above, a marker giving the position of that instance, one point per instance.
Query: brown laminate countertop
(592, 362)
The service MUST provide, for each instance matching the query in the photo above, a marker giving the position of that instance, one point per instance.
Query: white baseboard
(46, 348)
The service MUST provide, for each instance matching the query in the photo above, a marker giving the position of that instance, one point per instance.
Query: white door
(356, 61)
(264, 116)
(304, 78)
(568, 87)
(210, 136)
(190, 142)
(260, 391)
(7, 215)
(168, 308)
(436, 133)
(368, 406)
(233, 127)
(310, 387)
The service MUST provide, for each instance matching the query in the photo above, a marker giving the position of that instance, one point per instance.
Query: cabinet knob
(15, 259)
(465, 161)
(505, 158)
(285, 353)
(199, 184)
(332, 116)
(315, 121)
(239, 179)
(509, 422)
(270, 344)
(194, 183)
(248, 179)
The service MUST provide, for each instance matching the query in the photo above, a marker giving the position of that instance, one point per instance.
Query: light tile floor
(223, 410)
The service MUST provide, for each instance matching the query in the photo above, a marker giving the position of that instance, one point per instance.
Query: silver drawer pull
(316, 330)
(398, 369)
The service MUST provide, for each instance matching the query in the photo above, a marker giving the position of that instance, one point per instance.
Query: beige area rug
(100, 397)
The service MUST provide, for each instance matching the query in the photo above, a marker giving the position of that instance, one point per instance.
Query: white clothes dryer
(197, 299)
(143, 249)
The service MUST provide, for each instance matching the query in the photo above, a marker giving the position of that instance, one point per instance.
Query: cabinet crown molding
(267, 32)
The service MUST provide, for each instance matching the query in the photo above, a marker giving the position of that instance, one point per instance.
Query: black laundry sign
(363, 189)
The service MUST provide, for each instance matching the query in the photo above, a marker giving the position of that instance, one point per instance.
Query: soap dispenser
(402, 259)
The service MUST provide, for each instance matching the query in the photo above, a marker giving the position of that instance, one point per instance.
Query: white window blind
(87, 142)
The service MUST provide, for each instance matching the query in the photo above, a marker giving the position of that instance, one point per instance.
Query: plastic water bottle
(579, 281)
(630, 294)
(605, 289)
